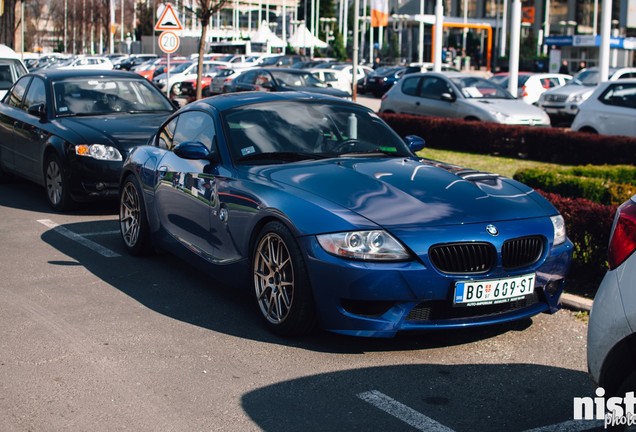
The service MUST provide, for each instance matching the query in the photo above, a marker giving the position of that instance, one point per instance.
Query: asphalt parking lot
(93, 339)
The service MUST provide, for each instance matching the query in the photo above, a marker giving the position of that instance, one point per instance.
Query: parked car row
(264, 190)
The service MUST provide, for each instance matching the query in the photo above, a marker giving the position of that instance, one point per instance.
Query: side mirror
(448, 97)
(175, 103)
(268, 85)
(38, 110)
(415, 143)
(193, 150)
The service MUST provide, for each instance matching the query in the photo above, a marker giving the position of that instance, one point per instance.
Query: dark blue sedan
(333, 221)
(70, 131)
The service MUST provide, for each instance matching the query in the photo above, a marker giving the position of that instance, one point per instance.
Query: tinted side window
(14, 98)
(166, 134)
(195, 126)
(409, 86)
(433, 87)
(36, 94)
(622, 95)
(248, 77)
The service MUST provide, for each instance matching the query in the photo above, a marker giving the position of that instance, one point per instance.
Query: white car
(564, 101)
(611, 340)
(184, 71)
(460, 96)
(87, 62)
(610, 110)
(333, 78)
(531, 85)
(11, 68)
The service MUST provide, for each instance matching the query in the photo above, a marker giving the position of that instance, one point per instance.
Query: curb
(576, 303)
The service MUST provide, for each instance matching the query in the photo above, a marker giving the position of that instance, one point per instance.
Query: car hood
(394, 192)
(511, 107)
(120, 130)
(569, 89)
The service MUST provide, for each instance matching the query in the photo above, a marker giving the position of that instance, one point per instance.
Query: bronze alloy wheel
(129, 211)
(274, 278)
(132, 220)
(281, 284)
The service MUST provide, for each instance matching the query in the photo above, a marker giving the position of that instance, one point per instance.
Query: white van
(11, 68)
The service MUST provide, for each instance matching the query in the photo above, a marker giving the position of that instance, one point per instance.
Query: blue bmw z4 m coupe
(333, 221)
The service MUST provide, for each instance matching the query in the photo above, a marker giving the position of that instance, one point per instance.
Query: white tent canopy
(303, 38)
(265, 35)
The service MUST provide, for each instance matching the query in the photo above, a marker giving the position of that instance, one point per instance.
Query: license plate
(493, 291)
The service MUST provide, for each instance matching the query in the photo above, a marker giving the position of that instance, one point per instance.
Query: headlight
(98, 151)
(500, 117)
(576, 98)
(559, 229)
(364, 245)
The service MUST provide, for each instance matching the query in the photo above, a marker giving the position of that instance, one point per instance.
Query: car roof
(54, 74)
(228, 101)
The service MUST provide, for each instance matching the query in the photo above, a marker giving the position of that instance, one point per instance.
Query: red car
(188, 89)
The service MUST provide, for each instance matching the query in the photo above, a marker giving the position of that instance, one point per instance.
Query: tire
(56, 183)
(628, 385)
(133, 224)
(281, 285)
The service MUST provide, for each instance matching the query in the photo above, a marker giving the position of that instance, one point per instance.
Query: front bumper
(91, 179)
(566, 109)
(381, 299)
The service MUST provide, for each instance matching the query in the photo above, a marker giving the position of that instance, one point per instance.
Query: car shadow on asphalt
(431, 397)
(22, 194)
(173, 287)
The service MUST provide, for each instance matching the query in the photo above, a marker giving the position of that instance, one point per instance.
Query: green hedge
(542, 144)
(609, 185)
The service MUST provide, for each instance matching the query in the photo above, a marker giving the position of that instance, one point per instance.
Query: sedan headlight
(364, 245)
(500, 117)
(98, 151)
(559, 229)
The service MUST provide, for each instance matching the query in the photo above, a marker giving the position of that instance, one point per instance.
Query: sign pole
(168, 77)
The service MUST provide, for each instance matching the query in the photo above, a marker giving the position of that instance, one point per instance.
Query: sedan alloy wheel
(56, 185)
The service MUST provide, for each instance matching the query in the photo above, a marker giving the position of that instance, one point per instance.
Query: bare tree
(207, 8)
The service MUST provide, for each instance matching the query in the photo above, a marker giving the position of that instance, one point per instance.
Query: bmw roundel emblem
(492, 230)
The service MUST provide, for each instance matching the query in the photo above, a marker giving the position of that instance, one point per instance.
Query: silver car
(564, 101)
(610, 110)
(611, 340)
(462, 96)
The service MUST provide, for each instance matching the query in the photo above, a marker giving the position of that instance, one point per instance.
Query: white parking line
(79, 238)
(420, 422)
(402, 412)
(569, 426)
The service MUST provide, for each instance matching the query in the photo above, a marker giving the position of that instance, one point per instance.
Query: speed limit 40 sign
(168, 42)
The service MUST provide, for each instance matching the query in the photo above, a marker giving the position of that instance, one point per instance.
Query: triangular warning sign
(168, 20)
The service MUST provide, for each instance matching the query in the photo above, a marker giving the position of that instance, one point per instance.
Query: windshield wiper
(280, 157)
(374, 152)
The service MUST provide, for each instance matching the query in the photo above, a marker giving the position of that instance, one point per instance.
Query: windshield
(269, 61)
(479, 88)
(96, 96)
(181, 67)
(290, 131)
(290, 79)
(587, 77)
